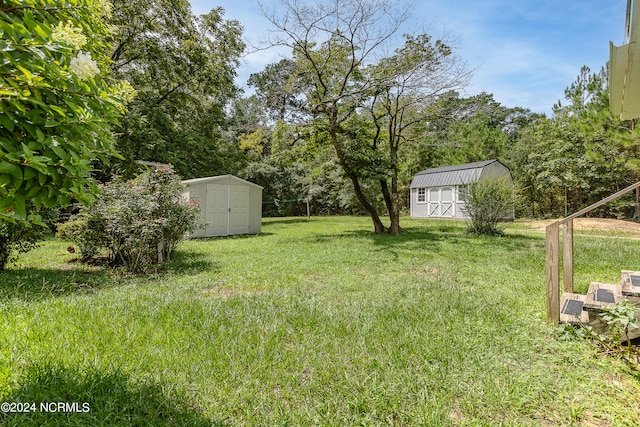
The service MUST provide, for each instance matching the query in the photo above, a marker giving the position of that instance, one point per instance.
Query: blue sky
(525, 52)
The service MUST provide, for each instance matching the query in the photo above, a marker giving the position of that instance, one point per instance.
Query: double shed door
(227, 210)
(441, 202)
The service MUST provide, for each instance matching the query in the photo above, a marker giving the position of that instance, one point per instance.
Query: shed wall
(422, 210)
(454, 179)
(243, 206)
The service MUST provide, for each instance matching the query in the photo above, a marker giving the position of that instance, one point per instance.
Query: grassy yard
(313, 322)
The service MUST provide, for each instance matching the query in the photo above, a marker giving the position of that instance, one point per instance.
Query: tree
(280, 90)
(57, 103)
(404, 84)
(337, 46)
(579, 155)
(182, 67)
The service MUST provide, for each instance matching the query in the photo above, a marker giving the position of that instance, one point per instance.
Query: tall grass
(313, 322)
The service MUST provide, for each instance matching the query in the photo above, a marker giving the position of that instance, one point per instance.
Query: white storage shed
(228, 205)
(439, 192)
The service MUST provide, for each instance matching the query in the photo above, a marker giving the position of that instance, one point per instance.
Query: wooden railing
(553, 254)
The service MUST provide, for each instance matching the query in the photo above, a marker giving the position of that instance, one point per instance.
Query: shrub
(88, 239)
(17, 237)
(21, 235)
(138, 222)
(488, 201)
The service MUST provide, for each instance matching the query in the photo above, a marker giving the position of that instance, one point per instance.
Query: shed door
(447, 205)
(434, 202)
(238, 209)
(441, 202)
(217, 210)
(227, 210)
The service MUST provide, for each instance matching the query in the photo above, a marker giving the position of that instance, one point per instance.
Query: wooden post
(567, 255)
(638, 205)
(308, 210)
(553, 273)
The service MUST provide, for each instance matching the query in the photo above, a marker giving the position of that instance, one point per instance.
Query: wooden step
(571, 309)
(602, 295)
(631, 283)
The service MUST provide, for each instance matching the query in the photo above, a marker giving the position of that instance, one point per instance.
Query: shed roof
(450, 175)
(212, 179)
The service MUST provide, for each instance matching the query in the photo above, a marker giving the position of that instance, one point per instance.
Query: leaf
(42, 178)
(7, 122)
(40, 136)
(33, 192)
(26, 72)
(8, 92)
(11, 169)
(64, 200)
(30, 173)
(19, 206)
(4, 179)
(62, 155)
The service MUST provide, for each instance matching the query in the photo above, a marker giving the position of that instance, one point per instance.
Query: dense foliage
(579, 155)
(57, 101)
(137, 222)
(182, 67)
(17, 237)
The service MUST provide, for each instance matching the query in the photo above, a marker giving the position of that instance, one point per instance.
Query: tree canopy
(183, 68)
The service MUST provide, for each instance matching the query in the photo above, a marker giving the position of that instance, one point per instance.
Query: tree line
(343, 124)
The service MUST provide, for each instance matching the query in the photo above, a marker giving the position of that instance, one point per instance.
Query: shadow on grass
(30, 284)
(231, 237)
(191, 262)
(74, 397)
(429, 238)
(36, 283)
(460, 235)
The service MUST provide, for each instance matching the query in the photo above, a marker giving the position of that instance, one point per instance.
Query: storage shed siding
(434, 181)
(228, 205)
(423, 209)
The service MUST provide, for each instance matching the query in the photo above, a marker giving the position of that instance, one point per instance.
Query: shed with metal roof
(440, 192)
(228, 205)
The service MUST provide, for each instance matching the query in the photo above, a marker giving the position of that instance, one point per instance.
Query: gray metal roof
(220, 178)
(450, 175)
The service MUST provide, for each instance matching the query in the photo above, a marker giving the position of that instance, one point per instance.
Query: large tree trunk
(378, 226)
(391, 200)
(391, 194)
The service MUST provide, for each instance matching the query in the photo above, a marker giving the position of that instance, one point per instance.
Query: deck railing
(553, 254)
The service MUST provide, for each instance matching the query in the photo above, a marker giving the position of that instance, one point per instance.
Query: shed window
(446, 194)
(422, 195)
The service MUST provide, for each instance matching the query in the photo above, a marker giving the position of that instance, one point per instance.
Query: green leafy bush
(17, 237)
(488, 201)
(57, 101)
(138, 222)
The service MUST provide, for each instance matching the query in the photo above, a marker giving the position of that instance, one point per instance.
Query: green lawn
(313, 322)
